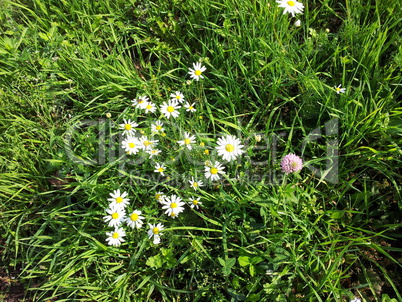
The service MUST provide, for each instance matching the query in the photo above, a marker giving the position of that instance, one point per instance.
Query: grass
(260, 235)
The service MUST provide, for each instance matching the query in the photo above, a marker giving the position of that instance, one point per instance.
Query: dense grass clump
(72, 74)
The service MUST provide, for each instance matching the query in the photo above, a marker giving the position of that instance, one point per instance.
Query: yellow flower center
(140, 101)
(134, 217)
(127, 127)
(170, 109)
(195, 184)
(206, 151)
(213, 170)
(291, 3)
(149, 107)
(158, 127)
(173, 214)
(158, 196)
(115, 215)
(338, 89)
(119, 199)
(198, 72)
(115, 235)
(173, 205)
(178, 97)
(131, 145)
(187, 141)
(163, 134)
(160, 170)
(147, 143)
(191, 108)
(195, 202)
(229, 148)
(155, 230)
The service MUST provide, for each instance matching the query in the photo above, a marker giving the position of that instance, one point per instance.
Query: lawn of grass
(69, 71)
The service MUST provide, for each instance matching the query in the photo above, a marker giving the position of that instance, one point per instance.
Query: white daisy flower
(118, 200)
(154, 231)
(173, 205)
(195, 184)
(147, 144)
(195, 202)
(188, 140)
(131, 145)
(116, 237)
(141, 102)
(173, 215)
(292, 7)
(150, 107)
(212, 170)
(229, 147)
(170, 109)
(160, 169)
(196, 73)
(190, 107)
(177, 96)
(160, 197)
(115, 216)
(128, 127)
(157, 127)
(339, 89)
(153, 152)
(134, 220)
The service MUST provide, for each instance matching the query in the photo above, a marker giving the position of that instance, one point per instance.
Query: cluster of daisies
(228, 148)
(118, 214)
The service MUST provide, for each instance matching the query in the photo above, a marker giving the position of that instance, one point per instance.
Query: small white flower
(116, 237)
(160, 168)
(190, 107)
(131, 145)
(154, 231)
(141, 102)
(212, 170)
(229, 147)
(297, 23)
(339, 89)
(118, 200)
(115, 216)
(188, 140)
(177, 96)
(173, 205)
(195, 202)
(355, 299)
(195, 184)
(153, 152)
(150, 107)
(257, 138)
(160, 197)
(170, 109)
(147, 144)
(157, 127)
(196, 73)
(128, 127)
(134, 220)
(292, 7)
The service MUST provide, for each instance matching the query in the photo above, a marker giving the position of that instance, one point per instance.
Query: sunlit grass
(68, 74)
